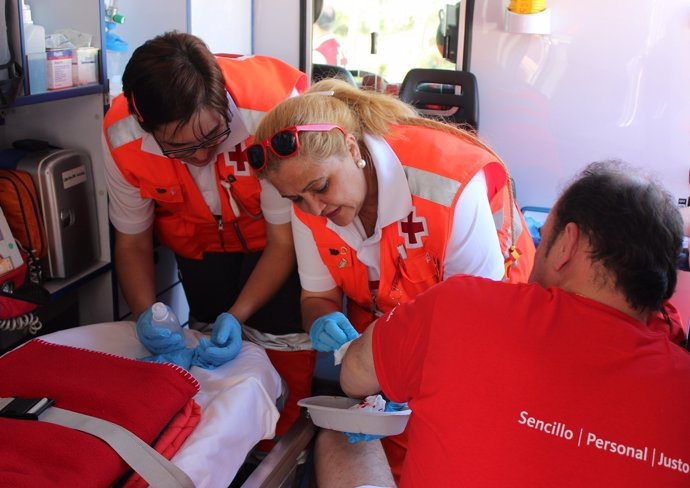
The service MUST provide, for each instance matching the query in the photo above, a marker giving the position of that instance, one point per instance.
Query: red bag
(14, 280)
(20, 289)
(19, 297)
(20, 204)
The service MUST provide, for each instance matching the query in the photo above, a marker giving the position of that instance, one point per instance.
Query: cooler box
(64, 181)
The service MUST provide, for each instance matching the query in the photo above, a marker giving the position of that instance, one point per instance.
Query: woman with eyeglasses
(385, 205)
(175, 170)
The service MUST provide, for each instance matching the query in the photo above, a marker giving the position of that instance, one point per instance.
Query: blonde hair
(333, 101)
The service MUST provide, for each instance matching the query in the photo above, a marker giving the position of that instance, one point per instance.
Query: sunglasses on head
(283, 144)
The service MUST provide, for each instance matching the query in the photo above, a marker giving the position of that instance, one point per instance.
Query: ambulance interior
(549, 90)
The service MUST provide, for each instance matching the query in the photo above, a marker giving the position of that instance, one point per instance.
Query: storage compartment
(64, 181)
(168, 287)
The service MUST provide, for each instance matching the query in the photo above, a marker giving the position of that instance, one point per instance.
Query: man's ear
(566, 245)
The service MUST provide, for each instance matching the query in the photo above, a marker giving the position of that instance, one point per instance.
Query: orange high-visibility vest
(412, 251)
(183, 221)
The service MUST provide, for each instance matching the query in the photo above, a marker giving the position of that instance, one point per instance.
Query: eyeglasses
(188, 151)
(283, 143)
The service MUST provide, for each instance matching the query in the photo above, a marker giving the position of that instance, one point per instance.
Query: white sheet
(237, 400)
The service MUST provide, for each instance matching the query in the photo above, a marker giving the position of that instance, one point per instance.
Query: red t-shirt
(515, 385)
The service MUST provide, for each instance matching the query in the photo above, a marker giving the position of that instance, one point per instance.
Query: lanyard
(236, 204)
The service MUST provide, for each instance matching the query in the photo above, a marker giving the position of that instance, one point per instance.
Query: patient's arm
(357, 374)
(339, 464)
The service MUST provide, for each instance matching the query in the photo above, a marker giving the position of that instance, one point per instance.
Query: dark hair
(170, 78)
(326, 18)
(634, 229)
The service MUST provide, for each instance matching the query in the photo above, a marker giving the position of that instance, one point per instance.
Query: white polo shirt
(473, 247)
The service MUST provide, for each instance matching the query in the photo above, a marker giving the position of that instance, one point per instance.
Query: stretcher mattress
(237, 401)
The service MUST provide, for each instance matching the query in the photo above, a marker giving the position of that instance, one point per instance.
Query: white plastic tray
(333, 412)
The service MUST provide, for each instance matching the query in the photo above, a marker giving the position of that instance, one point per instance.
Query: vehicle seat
(448, 94)
(321, 71)
(535, 217)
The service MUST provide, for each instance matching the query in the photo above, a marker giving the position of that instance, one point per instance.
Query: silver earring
(361, 164)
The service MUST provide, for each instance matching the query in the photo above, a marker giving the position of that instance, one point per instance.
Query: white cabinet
(69, 118)
(73, 123)
(83, 16)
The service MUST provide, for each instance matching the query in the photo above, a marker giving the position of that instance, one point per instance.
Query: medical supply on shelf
(35, 48)
(59, 68)
(116, 50)
(84, 66)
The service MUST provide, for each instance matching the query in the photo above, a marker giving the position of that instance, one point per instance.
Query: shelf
(59, 287)
(64, 93)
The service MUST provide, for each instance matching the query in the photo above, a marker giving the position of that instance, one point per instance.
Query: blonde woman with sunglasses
(385, 205)
(174, 144)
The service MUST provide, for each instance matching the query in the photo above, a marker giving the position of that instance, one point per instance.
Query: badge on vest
(412, 229)
(237, 160)
(339, 257)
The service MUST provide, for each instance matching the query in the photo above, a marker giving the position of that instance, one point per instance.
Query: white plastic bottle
(35, 49)
(161, 316)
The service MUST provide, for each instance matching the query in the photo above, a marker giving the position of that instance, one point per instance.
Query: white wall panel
(225, 25)
(148, 18)
(276, 29)
(610, 81)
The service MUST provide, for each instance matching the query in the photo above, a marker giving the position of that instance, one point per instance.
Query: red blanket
(171, 438)
(143, 397)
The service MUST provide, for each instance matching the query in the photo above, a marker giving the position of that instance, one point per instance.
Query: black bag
(11, 73)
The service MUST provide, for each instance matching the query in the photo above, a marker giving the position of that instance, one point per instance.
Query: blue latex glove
(158, 340)
(331, 331)
(181, 357)
(225, 343)
(390, 407)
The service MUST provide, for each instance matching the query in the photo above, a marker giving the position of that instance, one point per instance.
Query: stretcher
(238, 409)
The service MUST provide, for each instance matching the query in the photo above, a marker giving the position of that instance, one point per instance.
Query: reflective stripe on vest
(431, 186)
(124, 131)
(251, 118)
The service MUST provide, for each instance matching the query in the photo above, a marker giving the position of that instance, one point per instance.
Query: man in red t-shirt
(576, 379)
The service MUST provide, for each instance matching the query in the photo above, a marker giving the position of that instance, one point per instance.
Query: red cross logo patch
(238, 160)
(413, 228)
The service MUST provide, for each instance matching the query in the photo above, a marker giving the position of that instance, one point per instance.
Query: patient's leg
(340, 464)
